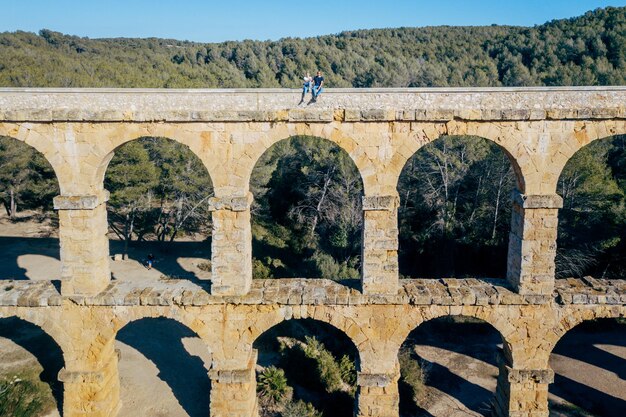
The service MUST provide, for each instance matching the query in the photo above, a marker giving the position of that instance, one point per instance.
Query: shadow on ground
(161, 341)
(581, 344)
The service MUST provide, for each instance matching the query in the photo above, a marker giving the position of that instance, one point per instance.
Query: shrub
(272, 385)
(412, 374)
(24, 395)
(300, 409)
(329, 371)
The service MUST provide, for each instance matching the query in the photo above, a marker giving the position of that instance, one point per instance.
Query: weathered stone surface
(78, 131)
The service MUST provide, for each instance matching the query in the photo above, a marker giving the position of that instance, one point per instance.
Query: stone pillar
(231, 245)
(91, 386)
(233, 391)
(532, 243)
(522, 392)
(84, 244)
(377, 395)
(380, 244)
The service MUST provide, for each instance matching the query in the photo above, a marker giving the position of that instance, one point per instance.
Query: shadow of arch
(168, 187)
(591, 239)
(453, 356)
(301, 371)
(589, 362)
(43, 347)
(162, 341)
(307, 215)
(455, 204)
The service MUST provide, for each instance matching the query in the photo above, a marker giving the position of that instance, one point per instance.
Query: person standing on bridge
(318, 83)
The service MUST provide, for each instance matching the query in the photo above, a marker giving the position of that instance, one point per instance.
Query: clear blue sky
(216, 21)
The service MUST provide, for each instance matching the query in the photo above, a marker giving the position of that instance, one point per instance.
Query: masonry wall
(78, 132)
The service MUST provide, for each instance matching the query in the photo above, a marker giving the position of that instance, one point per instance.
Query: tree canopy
(586, 50)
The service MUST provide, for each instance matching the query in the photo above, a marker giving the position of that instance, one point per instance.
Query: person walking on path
(318, 84)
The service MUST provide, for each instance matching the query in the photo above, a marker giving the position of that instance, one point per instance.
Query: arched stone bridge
(78, 130)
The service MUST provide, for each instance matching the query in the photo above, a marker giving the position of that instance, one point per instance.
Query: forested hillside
(586, 50)
(306, 219)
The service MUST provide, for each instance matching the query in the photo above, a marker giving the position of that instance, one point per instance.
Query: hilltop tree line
(585, 50)
(454, 214)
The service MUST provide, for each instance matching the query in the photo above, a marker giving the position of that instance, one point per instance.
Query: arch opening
(307, 216)
(29, 368)
(449, 363)
(163, 369)
(592, 223)
(455, 209)
(589, 363)
(306, 367)
(158, 211)
(29, 243)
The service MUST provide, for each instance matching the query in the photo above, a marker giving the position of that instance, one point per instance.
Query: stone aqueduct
(79, 130)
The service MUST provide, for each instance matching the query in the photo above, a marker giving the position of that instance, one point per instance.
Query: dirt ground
(163, 366)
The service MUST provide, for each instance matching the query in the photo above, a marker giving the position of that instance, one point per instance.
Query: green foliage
(592, 223)
(27, 181)
(159, 189)
(589, 49)
(455, 204)
(24, 395)
(412, 375)
(328, 370)
(300, 409)
(307, 207)
(272, 385)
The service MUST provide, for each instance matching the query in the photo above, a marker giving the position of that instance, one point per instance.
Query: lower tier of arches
(226, 345)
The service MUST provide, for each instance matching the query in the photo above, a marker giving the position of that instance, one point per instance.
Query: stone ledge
(380, 202)
(80, 202)
(81, 377)
(231, 203)
(294, 292)
(283, 105)
(373, 380)
(548, 201)
(522, 376)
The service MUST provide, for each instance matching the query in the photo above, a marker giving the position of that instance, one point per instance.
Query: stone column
(84, 243)
(522, 392)
(231, 245)
(377, 395)
(380, 244)
(91, 385)
(233, 391)
(532, 243)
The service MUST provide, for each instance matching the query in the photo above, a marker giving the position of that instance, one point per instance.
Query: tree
(26, 179)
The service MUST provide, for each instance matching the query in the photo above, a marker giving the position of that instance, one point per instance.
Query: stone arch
(46, 145)
(166, 344)
(441, 350)
(332, 338)
(43, 340)
(332, 317)
(244, 166)
(490, 316)
(306, 156)
(507, 137)
(573, 318)
(578, 134)
(588, 373)
(198, 140)
(447, 254)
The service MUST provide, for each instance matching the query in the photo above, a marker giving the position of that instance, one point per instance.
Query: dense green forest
(585, 50)
(307, 215)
